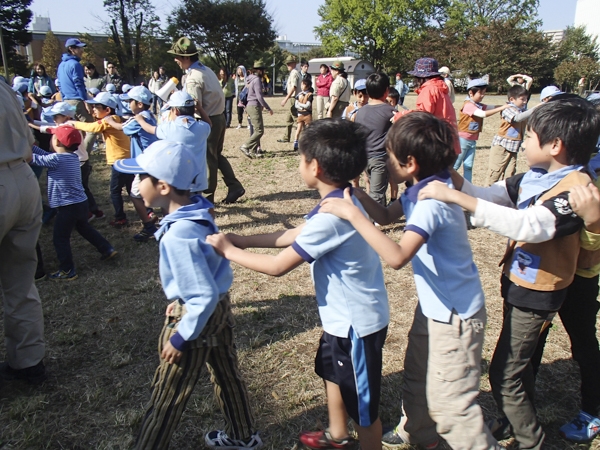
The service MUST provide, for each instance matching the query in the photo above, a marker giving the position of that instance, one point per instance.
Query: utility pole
(273, 79)
(4, 58)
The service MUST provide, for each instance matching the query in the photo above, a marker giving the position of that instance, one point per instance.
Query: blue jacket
(45, 80)
(71, 78)
(190, 269)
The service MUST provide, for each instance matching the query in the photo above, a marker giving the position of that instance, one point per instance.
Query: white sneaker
(219, 440)
(239, 127)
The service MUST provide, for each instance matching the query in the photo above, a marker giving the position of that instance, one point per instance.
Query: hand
(139, 118)
(438, 191)
(171, 354)
(220, 243)
(284, 101)
(585, 201)
(342, 208)
(170, 308)
(237, 240)
(271, 112)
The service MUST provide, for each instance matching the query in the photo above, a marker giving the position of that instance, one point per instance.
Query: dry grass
(102, 329)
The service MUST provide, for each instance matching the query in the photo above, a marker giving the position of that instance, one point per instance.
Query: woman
(39, 78)
(92, 77)
(227, 83)
(323, 83)
(240, 84)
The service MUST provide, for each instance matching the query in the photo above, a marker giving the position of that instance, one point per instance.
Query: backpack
(243, 96)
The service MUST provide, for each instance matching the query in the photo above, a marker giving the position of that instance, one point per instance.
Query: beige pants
(441, 383)
(20, 224)
(503, 164)
(321, 106)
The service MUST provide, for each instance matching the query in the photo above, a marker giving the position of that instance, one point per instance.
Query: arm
(528, 81)
(201, 112)
(489, 112)
(90, 127)
(145, 125)
(511, 80)
(377, 211)
(278, 239)
(43, 158)
(585, 202)
(113, 123)
(78, 78)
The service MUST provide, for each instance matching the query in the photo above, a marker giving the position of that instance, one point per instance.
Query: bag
(243, 96)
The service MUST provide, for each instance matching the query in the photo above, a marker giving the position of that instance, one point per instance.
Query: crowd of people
(550, 215)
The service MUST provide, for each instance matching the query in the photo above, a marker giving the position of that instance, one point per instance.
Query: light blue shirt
(193, 133)
(445, 274)
(140, 139)
(346, 272)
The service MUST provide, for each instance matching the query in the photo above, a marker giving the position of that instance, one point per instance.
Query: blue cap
(126, 88)
(477, 83)
(360, 85)
(110, 88)
(593, 97)
(549, 91)
(21, 87)
(103, 98)
(60, 108)
(181, 99)
(172, 162)
(93, 91)
(57, 83)
(46, 91)
(18, 80)
(73, 42)
(139, 94)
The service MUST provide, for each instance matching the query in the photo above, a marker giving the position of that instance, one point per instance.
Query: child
(139, 100)
(443, 355)
(508, 139)
(198, 328)
(470, 124)
(362, 98)
(112, 90)
(348, 280)
(66, 194)
(393, 98)
(124, 102)
(304, 106)
(533, 210)
(376, 118)
(117, 147)
(182, 127)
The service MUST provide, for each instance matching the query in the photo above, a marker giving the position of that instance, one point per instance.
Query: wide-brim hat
(337, 65)
(425, 67)
(259, 64)
(183, 47)
(291, 59)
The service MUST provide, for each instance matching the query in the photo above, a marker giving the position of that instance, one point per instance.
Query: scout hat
(183, 47)
(259, 64)
(291, 59)
(425, 67)
(337, 65)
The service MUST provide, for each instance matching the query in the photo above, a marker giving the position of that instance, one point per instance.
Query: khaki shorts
(305, 118)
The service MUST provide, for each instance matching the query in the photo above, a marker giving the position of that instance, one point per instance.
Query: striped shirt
(64, 177)
(510, 145)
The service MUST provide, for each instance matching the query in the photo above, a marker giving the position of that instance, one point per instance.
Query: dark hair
(194, 57)
(108, 63)
(574, 121)
(377, 84)
(340, 147)
(393, 93)
(475, 89)
(324, 65)
(304, 63)
(41, 66)
(307, 82)
(185, 110)
(429, 140)
(112, 110)
(181, 192)
(516, 91)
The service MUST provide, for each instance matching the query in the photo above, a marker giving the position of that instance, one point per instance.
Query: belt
(13, 163)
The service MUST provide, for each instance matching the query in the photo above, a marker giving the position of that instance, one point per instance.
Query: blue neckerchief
(337, 193)
(196, 65)
(412, 192)
(594, 164)
(537, 181)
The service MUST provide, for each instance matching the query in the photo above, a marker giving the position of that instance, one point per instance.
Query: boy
(348, 280)
(117, 147)
(443, 355)
(533, 211)
(182, 127)
(508, 139)
(470, 124)
(393, 99)
(304, 107)
(376, 118)
(198, 327)
(139, 100)
(66, 194)
(362, 98)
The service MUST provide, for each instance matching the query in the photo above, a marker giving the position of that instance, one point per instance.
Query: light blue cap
(360, 85)
(93, 91)
(21, 87)
(73, 42)
(139, 94)
(60, 108)
(172, 162)
(104, 98)
(18, 80)
(549, 91)
(477, 83)
(126, 88)
(46, 91)
(110, 88)
(180, 99)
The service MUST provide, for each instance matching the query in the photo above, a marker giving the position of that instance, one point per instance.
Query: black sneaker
(108, 254)
(391, 439)
(33, 375)
(500, 428)
(233, 196)
(145, 235)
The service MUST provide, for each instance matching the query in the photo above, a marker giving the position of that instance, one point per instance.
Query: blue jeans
(119, 180)
(228, 112)
(157, 103)
(466, 157)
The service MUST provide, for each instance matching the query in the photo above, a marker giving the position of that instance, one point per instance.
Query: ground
(102, 329)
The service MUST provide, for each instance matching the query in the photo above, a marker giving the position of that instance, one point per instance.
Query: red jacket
(323, 84)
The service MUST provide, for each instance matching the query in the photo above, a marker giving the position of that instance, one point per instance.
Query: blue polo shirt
(193, 133)
(445, 274)
(346, 273)
(140, 139)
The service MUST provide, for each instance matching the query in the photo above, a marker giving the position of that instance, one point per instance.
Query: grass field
(102, 329)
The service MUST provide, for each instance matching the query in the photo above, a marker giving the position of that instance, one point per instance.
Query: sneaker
(295, 145)
(582, 428)
(218, 439)
(119, 223)
(64, 276)
(392, 439)
(246, 151)
(40, 275)
(108, 254)
(239, 127)
(500, 428)
(152, 216)
(145, 235)
(232, 197)
(322, 440)
(96, 215)
(33, 375)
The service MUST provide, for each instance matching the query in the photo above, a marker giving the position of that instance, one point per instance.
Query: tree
(227, 31)
(579, 56)
(15, 16)
(470, 13)
(51, 53)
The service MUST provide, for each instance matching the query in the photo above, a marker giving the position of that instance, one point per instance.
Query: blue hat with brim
(181, 99)
(60, 108)
(360, 85)
(103, 98)
(72, 42)
(549, 91)
(139, 94)
(126, 88)
(477, 83)
(46, 91)
(110, 88)
(94, 91)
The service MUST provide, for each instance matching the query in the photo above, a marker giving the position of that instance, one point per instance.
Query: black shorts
(354, 364)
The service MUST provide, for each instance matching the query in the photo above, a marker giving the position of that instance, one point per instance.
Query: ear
(557, 147)
(314, 168)
(412, 167)
(163, 187)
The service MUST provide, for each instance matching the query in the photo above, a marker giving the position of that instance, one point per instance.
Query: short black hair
(307, 82)
(516, 91)
(574, 121)
(428, 139)
(377, 84)
(185, 110)
(393, 93)
(340, 147)
(112, 110)
(90, 66)
(475, 89)
(181, 192)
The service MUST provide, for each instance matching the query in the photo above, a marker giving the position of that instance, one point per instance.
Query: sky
(555, 14)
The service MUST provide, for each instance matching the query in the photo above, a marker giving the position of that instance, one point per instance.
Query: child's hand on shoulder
(220, 242)
(437, 191)
(342, 208)
(171, 354)
(585, 201)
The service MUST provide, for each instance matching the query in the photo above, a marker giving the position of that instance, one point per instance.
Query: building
(587, 14)
(555, 36)
(295, 47)
(355, 68)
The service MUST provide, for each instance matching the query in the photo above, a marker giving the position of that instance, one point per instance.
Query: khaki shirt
(294, 80)
(340, 89)
(16, 138)
(202, 84)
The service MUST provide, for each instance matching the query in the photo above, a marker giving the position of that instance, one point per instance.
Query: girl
(227, 83)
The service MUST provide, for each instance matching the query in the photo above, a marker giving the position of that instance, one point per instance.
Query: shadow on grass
(289, 195)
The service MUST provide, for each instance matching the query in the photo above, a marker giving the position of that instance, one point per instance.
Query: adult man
(72, 79)
(304, 72)
(445, 73)
(202, 84)
(155, 83)
(339, 92)
(293, 88)
(256, 102)
(400, 88)
(20, 223)
(112, 77)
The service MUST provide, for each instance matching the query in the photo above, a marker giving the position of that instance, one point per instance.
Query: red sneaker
(119, 223)
(95, 215)
(322, 440)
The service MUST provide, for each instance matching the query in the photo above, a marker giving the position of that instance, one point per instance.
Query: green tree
(51, 53)
(579, 56)
(469, 13)
(15, 16)
(227, 31)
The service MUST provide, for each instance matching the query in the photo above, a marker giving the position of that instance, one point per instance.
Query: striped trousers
(173, 383)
